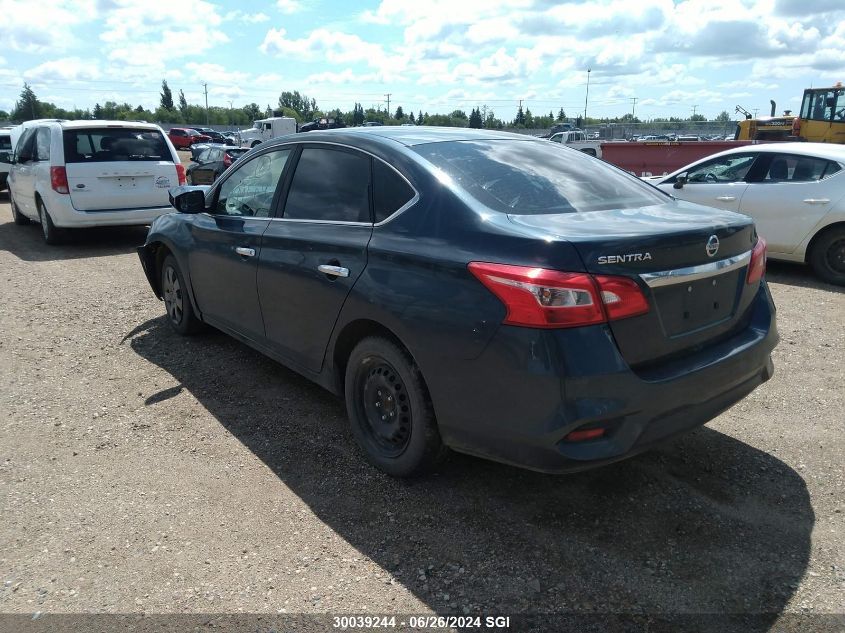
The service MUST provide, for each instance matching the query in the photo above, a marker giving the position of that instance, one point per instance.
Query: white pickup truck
(265, 129)
(577, 139)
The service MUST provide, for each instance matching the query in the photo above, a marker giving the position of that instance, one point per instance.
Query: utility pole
(231, 115)
(633, 108)
(693, 109)
(587, 97)
(205, 87)
(388, 103)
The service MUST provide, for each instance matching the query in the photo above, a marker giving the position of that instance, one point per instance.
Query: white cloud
(289, 6)
(66, 69)
(43, 27)
(245, 17)
(322, 44)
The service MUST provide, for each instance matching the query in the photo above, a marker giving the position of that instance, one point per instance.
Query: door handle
(817, 200)
(245, 252)
(334, 271)
(726, 198)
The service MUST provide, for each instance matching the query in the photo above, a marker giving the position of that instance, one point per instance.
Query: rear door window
(792, 168)
(89, 145)
(330, 185)
(42, 144)
(534, 177)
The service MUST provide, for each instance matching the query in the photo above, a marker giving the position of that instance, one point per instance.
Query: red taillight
(583, 435)
(537, 297)
(58, 180)
(180, 173)
(757, 265)
(227, 160)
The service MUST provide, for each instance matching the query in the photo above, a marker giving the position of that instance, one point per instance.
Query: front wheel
(390, 410)
(828, 256)
(180, 312)
(19, 218)
(254, 143)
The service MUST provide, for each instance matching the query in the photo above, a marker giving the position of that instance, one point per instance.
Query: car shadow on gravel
(26, 243)
(797, 275)
(705, 525)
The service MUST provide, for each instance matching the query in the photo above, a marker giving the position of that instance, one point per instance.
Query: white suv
(69, 174)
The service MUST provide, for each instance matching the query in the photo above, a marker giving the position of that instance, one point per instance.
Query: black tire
(19, 218)
(50, 232)
(390, 410)
(827, 256)
(180, 311)
(254, 143)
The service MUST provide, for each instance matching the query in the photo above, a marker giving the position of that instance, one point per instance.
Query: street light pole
(587, 97)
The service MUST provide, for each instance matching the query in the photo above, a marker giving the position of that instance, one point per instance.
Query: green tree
(475, 119)
(520, 117)
(400, 114)
(183, 103)
(98, 111)
(28, 107)
(561, 115)
(723, 116)
(411, 117)
(166, 96)
(420, 118)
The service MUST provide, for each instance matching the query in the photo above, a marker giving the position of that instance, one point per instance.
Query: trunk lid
(694, 282)
(118, 167)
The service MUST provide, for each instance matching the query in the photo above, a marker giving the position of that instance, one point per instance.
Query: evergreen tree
(400, 114)
(411, 117)
(520, 116)
(420, 118)
(561, 116)
(183, 103)
(28, 107)
(98, 111)
(166, 96)
(475, 118)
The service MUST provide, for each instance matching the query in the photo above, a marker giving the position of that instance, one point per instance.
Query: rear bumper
(571, 379)
(64, 214)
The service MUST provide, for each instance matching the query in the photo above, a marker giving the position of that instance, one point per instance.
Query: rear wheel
(828, 256)
(254, 143)
(18, 217)
(180, 312)
(390, 410)
(52, 234)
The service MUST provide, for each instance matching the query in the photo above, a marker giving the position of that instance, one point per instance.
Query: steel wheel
(390, 410)
(827, 256)
(385, 408)
(172, 291)
(835, 255)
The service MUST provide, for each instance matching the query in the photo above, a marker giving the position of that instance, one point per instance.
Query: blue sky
(672, 57)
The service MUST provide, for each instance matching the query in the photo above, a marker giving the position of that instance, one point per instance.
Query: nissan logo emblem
(712, 246)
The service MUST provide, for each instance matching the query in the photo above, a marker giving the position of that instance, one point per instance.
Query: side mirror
(188, 199)
(680, 181)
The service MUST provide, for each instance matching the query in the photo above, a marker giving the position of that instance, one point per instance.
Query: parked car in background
(211, 162)
(183, 138)
(794, 191)
(488, 292)
(5, 155)
(68, 174)
(321, 124)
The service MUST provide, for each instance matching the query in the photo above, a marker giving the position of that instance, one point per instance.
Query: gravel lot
(143, 472)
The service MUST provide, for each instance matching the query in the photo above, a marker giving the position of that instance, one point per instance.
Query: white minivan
(68, 174)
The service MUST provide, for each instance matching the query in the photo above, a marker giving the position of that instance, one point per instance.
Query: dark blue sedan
(489, 293)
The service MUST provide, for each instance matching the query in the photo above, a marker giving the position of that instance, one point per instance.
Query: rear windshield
(5, 142)
(533, 177)
(100, 145)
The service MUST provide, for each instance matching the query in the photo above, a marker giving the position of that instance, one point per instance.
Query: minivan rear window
(99, 145)
(534, 177)
(5, 142)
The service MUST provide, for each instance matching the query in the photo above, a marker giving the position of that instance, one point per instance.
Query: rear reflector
(757, 265)
(537, 297)
(583, 435)
(180, 173)
(58, 180)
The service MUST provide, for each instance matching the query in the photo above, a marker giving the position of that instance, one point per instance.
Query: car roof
(832, 151)
(87, 123)
(407, 136)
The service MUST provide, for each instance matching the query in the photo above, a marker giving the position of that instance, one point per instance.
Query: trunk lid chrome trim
(693, 273)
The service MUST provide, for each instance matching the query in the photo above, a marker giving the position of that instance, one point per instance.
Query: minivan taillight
(58, 180)
(180, 173)
(227, 160)
(538, 297)
(757, 265)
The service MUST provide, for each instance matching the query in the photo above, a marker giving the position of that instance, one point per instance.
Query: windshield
(531, 177)
(90, 145)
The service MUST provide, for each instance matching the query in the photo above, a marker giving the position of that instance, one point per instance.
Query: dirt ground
(144, 472)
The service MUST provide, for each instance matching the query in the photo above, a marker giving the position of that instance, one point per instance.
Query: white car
(5, 155)
(794, 191)
(68, 174)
